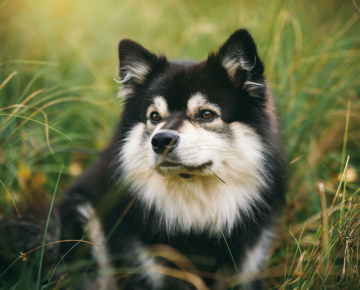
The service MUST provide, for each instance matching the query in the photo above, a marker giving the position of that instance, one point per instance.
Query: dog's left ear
(136, 63)
(239, 58)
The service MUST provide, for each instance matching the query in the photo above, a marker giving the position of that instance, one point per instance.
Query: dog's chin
(172, 169)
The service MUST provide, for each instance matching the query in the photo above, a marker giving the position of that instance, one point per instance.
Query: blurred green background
(58, 104)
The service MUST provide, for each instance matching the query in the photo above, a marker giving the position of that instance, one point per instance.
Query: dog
(188, 192)
(196, 165)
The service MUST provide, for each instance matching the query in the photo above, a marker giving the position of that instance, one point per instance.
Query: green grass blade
(297, 249)
(215, 174)
(228, 247)
(12, 264)
(25, 61)
(12, 200)
(343, 153)
(46, 227)
(15, 143)
(2, 4)
(62, 258)
(36, 121)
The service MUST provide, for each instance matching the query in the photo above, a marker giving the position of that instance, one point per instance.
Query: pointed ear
(136, 62)
(239, 58)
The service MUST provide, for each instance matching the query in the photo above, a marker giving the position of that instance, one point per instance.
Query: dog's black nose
(164, 140)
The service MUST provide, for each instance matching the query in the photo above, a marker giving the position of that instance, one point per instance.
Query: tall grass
(58, 106)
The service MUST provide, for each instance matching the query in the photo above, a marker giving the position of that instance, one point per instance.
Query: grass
(45, 231)
(58, 106)
(227, 245)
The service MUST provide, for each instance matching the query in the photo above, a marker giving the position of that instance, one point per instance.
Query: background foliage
(58, 105)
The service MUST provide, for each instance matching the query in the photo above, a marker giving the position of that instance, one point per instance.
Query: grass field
(58, 107)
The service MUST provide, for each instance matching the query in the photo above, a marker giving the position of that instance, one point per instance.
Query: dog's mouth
(184, 171)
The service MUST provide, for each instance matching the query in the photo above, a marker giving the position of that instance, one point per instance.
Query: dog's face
(187, 125)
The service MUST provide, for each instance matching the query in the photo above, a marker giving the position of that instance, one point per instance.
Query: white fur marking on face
(186, 204)
(198, 102)
(96, 235)
(159, 105)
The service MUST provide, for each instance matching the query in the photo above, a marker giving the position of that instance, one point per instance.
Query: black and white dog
(196, 154)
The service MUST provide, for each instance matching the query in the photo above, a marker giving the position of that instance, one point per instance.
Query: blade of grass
(343, 196)
(8, 78)
(343, 153)
(62, 258)
(356, 8)
(12, 264)
(325, 232)
(73, 90)
(45, 121)
(227, 245)
(215, 174)
(119, 220)
(12, 200)
(14, 144)
(33, 120)
(31, 83)
(338, 190)
(24, 61)
(46, 228)
(2, 4)
(41, 109)
(297, 249)
(23, 255)
(31, 96)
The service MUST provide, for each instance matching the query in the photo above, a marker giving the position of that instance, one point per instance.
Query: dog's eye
(155, 117)
(207, 115)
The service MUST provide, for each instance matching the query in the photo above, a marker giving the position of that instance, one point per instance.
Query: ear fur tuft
(239, 58)
(136, 62)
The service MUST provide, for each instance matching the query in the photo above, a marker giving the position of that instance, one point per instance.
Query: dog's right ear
(136, 62)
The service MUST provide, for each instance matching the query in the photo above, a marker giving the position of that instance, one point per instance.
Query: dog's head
(184, 123)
